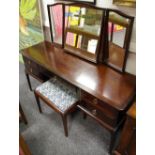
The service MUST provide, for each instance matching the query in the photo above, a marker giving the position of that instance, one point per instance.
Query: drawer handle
(29, 62)
(95, 101)
(94, 112)
(31, 70)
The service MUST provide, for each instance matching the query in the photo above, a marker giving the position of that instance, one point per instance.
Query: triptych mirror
(92, 33)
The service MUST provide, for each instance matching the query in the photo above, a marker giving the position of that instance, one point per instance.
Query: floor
(44, 133)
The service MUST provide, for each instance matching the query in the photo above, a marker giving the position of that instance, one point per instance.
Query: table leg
(28, 80)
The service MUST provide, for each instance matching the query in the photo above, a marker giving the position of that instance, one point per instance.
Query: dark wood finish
(116, 56)
(23, 147)
(51, 105)
(22, 115)
(28, 81)
(38, 102)
(127, 144)
(80, 53)
(102, 82)
(36, 71)
(103, 91)
(100, 109)
(64, 120)
(104, 52)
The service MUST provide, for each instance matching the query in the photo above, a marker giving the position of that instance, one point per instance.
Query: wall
(131, 62)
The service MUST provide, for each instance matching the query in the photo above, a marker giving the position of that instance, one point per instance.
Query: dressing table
(105, 94)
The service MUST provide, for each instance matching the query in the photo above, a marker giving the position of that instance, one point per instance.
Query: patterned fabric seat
(59, 95)
(62, 94)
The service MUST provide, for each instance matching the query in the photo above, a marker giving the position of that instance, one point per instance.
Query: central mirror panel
(83, 30)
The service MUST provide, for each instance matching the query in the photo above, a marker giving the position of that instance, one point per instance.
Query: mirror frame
(98, 52)
(50, 23)
(126, 39)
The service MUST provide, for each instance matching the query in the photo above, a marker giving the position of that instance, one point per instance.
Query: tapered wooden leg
(28, 81)
(38, 102)
(64, 120)
(22, 114)
(84, 115)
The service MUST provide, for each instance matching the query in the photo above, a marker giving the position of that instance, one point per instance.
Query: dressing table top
(99, 80)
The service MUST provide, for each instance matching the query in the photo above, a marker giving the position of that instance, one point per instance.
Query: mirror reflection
(117, 33)
(82, 31)
(56, 23)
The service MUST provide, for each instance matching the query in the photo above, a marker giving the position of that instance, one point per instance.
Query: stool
(59, 95)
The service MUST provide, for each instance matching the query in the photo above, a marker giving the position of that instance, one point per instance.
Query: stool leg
(28, 80)
(64, 120)
(38, 102)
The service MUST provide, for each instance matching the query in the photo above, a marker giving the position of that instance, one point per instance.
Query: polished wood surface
(132, 111)
(104, 83)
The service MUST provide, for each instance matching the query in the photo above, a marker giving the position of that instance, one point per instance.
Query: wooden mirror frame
(102, 49)
(50, 23)
(126, 39)
(97, 53)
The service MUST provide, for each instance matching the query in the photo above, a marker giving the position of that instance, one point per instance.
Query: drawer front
(35, 69)
(31, 66)
(100, 109)
(99, 114)
(29, 63)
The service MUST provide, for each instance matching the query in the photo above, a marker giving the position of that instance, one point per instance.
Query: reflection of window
(83, 26)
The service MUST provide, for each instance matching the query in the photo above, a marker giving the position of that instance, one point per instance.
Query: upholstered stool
(59, 95)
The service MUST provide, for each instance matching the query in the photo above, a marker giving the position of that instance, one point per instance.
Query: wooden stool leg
(28, 80)
(22, 114)
(64, 120)
(38, 102)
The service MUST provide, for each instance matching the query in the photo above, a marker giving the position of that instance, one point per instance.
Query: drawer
(29, 63)
(35, 69)
(99, 114)
(108, 111)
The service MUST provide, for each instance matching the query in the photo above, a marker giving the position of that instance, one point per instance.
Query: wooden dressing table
(105, 94)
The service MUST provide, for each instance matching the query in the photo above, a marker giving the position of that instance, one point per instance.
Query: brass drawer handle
(95, 101)
(94, 112)
(29, 62)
